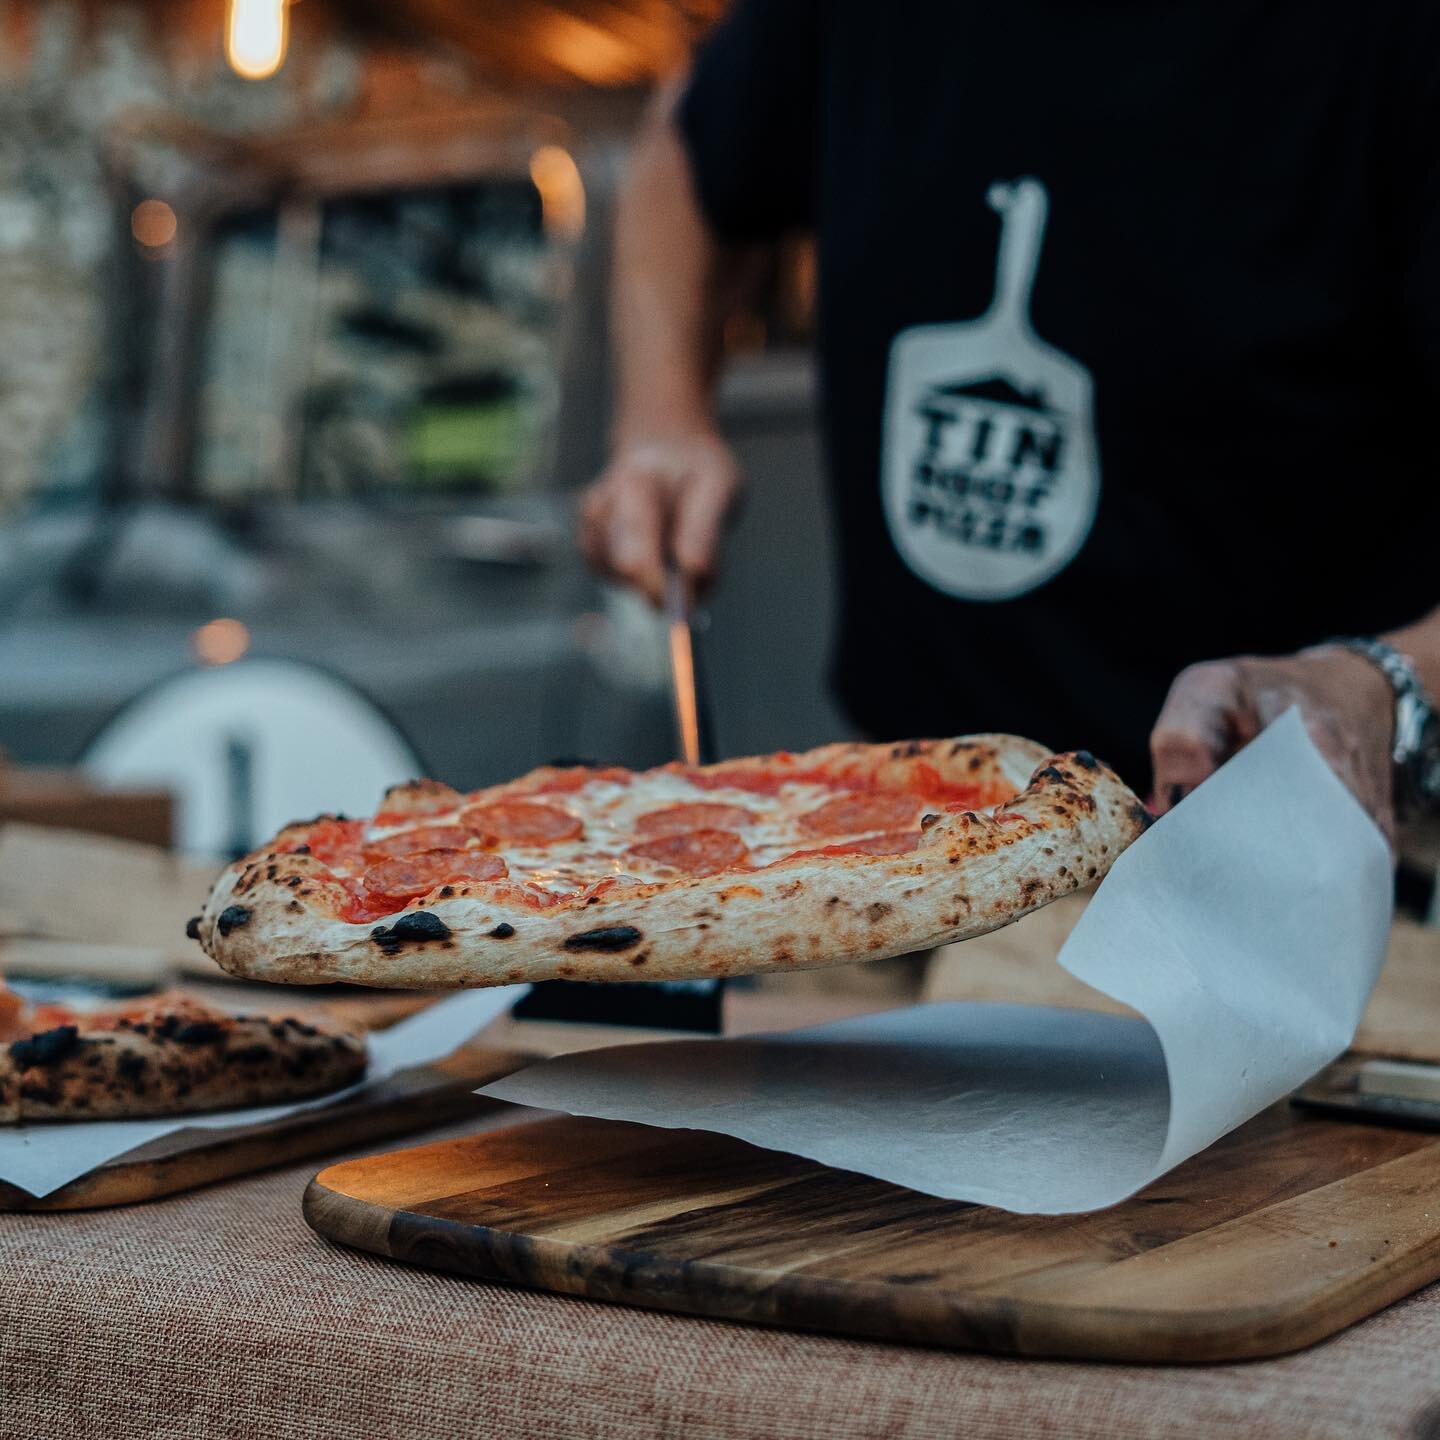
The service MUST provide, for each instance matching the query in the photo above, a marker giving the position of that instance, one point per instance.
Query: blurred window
(398, 343)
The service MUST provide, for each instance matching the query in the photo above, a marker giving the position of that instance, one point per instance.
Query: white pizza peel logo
(989, 472)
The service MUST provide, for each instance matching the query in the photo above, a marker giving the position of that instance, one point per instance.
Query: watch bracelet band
(1416, 762)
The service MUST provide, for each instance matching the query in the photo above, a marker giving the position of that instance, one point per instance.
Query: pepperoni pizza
(850, 852)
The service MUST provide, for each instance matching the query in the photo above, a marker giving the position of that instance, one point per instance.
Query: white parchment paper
(42, 1158)
(1247, 928)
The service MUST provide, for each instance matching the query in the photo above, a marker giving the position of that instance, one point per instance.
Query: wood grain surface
(184, 1159)
(1286, 1231)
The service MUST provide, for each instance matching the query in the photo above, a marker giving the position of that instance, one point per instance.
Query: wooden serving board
(1286, 1231)
(184, 1159)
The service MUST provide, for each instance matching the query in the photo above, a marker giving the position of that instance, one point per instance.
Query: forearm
(1421, 642)
(674, 285)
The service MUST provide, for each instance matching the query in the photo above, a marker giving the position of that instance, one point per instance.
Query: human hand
(1215, 708)
(661, 501)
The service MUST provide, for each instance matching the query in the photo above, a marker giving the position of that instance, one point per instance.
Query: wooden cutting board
(1286, 1231)
(408, 1101)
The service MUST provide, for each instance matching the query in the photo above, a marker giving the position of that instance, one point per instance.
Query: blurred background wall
(303, 356)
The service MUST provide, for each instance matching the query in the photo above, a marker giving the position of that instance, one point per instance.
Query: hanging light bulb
(257, 33)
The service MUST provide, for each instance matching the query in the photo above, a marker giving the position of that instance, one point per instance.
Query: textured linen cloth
(220, 1314)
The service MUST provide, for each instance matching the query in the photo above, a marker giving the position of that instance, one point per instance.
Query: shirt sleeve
(749, 119)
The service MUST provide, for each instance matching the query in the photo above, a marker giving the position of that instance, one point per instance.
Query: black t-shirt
(1129, 331)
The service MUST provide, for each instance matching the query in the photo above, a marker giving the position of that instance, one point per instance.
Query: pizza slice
(166, 1054)
(849, 852)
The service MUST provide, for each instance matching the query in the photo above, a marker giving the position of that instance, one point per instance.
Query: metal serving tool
(692, 721)
(694, 1005)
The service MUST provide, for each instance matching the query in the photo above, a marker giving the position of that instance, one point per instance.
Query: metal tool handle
(694, 732)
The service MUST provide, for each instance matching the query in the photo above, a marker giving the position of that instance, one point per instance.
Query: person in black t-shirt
(1130, 350)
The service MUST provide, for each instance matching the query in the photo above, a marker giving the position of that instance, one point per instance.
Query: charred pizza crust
(273, 915)
(172, 1060)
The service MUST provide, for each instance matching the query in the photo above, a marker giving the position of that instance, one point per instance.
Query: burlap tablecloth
(220, 1314)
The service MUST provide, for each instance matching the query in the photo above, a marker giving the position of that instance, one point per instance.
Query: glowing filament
(257, 33)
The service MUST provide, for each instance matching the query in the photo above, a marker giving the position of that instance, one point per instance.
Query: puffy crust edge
(267, 915)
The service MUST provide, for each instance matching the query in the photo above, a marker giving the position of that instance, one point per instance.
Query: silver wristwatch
(1416, 751)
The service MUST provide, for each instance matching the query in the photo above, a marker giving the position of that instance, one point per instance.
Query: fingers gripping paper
(1247, 928)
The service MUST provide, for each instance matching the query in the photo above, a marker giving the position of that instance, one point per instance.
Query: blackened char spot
(610, 937)
(1141, 816)
(192, 928)
(231, 917)
(503, 931)
(1085, 758)
(45, 1048)
(299, 1061)
(1051, 773)
(199, 1032)
(416, 928)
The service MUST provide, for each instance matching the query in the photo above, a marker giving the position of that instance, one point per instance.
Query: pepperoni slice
(396, 881)
(681, 819)
(336, 841)
(12, 1007)
(423, 837)
(859, 814)
(697, 852)
(894, 842)
(523, 822)
(51, 1017)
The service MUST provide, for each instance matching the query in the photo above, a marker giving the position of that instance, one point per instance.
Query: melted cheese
(609, 812)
